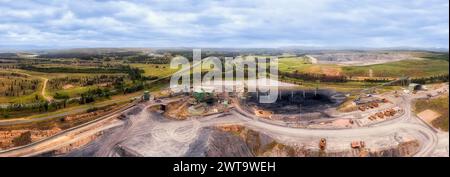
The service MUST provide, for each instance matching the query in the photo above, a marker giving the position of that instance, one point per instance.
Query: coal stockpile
(299, 101)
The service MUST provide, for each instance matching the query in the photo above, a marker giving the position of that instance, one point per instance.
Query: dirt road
(43, 93)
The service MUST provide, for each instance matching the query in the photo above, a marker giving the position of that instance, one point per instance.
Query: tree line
(313, 76)
(165, 59)
(18, 87)
(431, 79)
(112, 69)
(58, 83)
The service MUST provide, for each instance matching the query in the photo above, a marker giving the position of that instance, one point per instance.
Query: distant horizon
(400, 48)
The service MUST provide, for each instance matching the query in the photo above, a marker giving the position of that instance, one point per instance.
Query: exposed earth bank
(239, 141)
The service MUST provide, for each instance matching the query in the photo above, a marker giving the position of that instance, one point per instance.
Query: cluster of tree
(61, 101)
(380, 80)
(134, 73)
(58, 83)
(8, 55)
(40, 106)
(165, 59)
(90, 95)
(7, 61)
(18, 87)
(61, 96)
(205, 53)
(89, 56)
(136, 86)
(9, 66)
(313, 77)
(437, 56)
(13, 75)
(114, 69)
(93, 109)
(430, 80)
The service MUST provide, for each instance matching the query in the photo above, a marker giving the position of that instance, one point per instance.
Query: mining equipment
(380, 115)
(362, 108)
(357, 144)
(322, 144)
(122, 117)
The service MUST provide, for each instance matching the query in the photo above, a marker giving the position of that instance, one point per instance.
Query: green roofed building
(146, 95)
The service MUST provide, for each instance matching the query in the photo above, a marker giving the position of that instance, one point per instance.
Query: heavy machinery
(380, 115)
(362, 108)
(357, 144)
(323, 144)
(389, 112)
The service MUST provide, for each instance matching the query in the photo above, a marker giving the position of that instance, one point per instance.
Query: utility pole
(317, 87)
(279, 94)
(292, 96)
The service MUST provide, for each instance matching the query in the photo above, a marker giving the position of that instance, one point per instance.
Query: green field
(57, 75)
(292, 64)
(26, 94)
(412, 68)
(73, 92)
(22, 99)
(350, 86)
(31, 97)
(435, 56)
(155, 70)
(297, 65)
(430, 65)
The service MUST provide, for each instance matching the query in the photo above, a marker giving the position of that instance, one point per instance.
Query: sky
(221, 23)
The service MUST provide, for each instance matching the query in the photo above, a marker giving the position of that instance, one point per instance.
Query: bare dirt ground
(428, 115)
(68, 86)
(151, 134)
(324, 69)
(48, 98)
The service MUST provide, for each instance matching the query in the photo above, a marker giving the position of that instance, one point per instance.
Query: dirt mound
(67, 86)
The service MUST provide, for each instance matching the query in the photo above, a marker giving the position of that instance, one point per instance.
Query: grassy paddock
(155, 70)
(439, 105)
(412, 68)
(301, 65)
(26, 94)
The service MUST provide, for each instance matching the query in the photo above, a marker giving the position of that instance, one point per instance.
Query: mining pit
(291, 102)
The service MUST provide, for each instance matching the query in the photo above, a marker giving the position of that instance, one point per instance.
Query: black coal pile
(298, 101)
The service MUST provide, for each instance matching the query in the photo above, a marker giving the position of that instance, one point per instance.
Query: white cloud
(226, 23)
